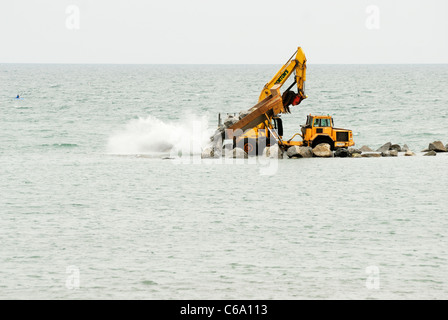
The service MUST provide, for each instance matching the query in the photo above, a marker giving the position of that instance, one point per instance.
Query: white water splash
(152, 135)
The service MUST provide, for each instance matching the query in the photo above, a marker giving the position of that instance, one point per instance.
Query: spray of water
(151, 135)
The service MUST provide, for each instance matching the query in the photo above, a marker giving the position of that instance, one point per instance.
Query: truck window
(325, 123)
(316, 123)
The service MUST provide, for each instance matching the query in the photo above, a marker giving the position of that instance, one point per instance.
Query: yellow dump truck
(261, 125)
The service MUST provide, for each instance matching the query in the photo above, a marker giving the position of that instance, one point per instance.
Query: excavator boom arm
(297, 64)
(271, 102)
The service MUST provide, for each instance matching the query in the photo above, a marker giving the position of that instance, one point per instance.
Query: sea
(104, 195)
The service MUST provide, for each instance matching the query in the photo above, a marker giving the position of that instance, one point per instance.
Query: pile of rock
(434, 148)
(391, 150)
(211, 152)
(322, 150)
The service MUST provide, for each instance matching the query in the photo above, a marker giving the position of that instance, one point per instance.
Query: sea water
(94, 203)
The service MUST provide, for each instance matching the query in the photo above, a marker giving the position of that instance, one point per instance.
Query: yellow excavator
(261, 125)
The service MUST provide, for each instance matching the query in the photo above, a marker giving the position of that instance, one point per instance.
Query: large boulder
(431, 153)
(437, 146)
(322, 150)
(352, 151)
(365, 149)
(409, 153)
(208, 152)
(293, 151)
(299, 152)
(371, 155)
(238, 153)
(385, 147)
(405, 148)
(356, 155)
(342, 153)
(273, 152)
(396, 147)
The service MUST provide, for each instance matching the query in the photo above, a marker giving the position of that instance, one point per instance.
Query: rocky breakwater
(215, 148)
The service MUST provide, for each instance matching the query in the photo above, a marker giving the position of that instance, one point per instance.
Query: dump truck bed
(258, 114)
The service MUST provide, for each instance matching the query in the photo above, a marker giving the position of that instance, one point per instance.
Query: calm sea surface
(91, 208)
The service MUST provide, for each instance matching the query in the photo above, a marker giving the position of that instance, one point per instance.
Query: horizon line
(216, 64)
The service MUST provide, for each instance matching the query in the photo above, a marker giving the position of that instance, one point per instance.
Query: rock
(218, 151)
(273, 152)
(395, 147)
(365, 149)
(426, 150)
(352, 151)
(431, 153)
(409, 153)
(342, 153)
(217, 134)
(243, 114)
(239, 153)
(208, 152)
(405, 148)
(231, 120)
(390, 153)
(393, 153)
(292, 151)
(384, 147)
(299, 152)
(323, 150)
(356, 155)
(371, 155)
(437, 146)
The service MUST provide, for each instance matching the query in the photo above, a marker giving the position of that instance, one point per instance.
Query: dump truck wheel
(250, 146)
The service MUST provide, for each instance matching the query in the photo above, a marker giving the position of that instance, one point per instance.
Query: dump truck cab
(320, 129)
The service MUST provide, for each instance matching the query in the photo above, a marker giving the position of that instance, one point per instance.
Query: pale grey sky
(230, 31)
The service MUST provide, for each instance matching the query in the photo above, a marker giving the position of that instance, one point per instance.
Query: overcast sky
(216, 31)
